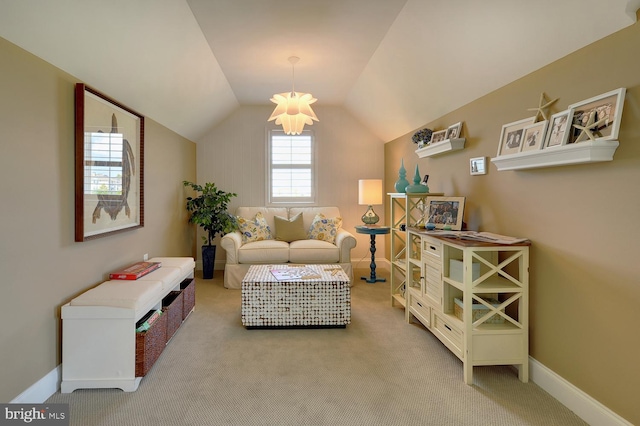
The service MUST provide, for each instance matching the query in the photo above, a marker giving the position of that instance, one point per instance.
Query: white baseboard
(587, 408)
(381, 263)
(41, 390)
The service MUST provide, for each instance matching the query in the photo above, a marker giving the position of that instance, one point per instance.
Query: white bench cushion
(128, 294)
(167, 275)
(186, 264)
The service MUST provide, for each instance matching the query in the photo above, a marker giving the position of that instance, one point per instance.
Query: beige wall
(582, 219)
(41, 267)
(233, 155)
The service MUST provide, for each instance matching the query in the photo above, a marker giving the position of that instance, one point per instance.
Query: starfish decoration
(542, 109)
(590, 128)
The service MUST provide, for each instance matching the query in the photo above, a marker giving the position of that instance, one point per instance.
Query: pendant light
(293, 109)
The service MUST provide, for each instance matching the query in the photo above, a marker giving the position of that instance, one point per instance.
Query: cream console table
(473, 296)
(100, 346)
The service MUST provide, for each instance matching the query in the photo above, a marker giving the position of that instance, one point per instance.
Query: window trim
(272, 201)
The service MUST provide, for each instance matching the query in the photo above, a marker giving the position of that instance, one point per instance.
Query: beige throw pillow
(290, 230)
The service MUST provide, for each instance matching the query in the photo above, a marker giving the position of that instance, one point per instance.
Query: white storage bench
(98, 327)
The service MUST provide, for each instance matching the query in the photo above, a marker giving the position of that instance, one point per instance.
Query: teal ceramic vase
(402, 182)
(417, 187)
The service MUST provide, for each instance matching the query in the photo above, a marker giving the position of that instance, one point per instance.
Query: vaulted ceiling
(394, 64)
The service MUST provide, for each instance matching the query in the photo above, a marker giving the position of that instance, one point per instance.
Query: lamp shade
(370, 192)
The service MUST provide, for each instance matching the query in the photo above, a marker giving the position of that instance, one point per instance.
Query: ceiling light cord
(293, 60)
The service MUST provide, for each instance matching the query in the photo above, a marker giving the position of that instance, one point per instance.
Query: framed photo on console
(445, 212)
(109, 166)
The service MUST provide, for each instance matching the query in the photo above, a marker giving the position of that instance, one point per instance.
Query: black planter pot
(208, 260)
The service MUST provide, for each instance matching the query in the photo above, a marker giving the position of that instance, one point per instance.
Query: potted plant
(209, 210)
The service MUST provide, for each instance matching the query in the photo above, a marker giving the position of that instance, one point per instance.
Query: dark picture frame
(109, 166)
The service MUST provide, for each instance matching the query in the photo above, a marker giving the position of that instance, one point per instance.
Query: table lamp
(370, 193)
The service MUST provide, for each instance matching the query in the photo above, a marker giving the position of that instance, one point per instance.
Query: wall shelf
(446, 145)
(577, 153)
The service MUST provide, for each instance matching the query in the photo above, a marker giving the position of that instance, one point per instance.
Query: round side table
(373, 230)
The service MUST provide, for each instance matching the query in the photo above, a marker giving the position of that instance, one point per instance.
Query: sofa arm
(345, 242)
(231, 242)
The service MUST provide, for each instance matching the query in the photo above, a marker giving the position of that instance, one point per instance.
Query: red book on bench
(135, 271)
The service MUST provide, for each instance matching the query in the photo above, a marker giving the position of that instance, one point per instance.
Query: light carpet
(379, 370)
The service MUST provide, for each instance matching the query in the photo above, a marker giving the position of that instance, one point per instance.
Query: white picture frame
(557, 133)
(511, 136)
(478, 166)
(534, 134)
(438, 136)
(454, 131)
(445, 212)
(604, 110)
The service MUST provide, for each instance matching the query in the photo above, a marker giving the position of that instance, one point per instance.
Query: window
(103, 163)
(291, 168)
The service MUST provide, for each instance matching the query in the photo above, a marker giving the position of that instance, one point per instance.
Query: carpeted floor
(379, 370)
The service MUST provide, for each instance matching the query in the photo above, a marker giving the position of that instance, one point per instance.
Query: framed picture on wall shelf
(445, 212)
(596, 118)
(511, 136)
(438, 136)
(557, 133)
(534, 136)
(454, 131)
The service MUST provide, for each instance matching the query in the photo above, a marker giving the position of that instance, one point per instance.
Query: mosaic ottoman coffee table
(296, 296)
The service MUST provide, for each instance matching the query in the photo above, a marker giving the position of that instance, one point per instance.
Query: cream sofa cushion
(313, 251)
(266, 251)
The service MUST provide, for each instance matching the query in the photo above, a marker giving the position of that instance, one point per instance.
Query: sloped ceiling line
(394, 64)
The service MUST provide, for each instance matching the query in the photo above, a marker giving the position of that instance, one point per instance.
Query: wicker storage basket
(172, 308)
(188, 288)
(149, 345)
(478, 311)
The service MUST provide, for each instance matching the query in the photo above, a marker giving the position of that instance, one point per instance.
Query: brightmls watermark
(34, 414)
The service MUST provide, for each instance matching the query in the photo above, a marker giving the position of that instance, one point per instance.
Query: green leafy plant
(209, 210)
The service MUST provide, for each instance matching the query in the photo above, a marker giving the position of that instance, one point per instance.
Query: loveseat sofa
(278, 235)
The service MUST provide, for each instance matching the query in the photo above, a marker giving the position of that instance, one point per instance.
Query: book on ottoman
(135, 271)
